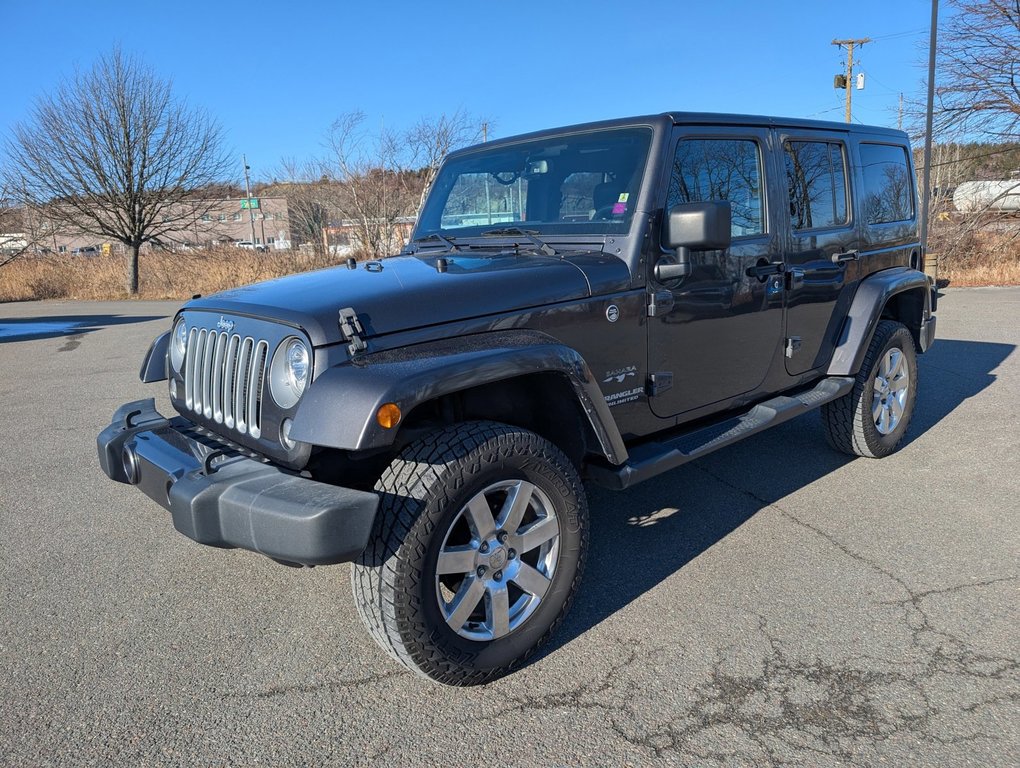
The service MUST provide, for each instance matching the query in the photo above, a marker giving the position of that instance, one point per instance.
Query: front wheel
(477, 552)
(872, 419)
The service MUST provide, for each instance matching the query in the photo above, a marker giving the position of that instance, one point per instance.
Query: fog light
(285, 434)
(130, 463)
(388, 416)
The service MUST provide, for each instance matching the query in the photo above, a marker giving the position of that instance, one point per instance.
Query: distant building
(225, 222)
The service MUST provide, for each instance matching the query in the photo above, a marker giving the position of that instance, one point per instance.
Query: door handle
(764, 268)
(843, 258)
(795, 278)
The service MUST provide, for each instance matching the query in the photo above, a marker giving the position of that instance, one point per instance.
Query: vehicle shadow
(644, 535)
(33, 328)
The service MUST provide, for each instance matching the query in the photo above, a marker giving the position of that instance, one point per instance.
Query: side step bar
(653, 458)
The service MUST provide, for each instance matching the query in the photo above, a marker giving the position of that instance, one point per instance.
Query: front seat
(605, 196)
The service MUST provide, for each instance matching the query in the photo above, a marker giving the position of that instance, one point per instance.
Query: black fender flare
(155, 362)
(339, 409)
(869, 302)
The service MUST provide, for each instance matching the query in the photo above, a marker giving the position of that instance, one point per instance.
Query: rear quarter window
(888, 193)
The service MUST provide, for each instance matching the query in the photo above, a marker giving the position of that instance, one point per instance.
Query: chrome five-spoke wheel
(497, 560)
(477, 551)
(892, 380)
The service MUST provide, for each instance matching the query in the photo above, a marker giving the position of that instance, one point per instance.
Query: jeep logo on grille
(225, 325)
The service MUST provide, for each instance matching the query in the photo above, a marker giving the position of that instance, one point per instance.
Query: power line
(978, 157)
(907, 33)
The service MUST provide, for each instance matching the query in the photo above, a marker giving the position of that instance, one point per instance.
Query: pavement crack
(273, 691)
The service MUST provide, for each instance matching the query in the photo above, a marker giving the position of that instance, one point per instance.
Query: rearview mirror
(701, 226)
(536, 168)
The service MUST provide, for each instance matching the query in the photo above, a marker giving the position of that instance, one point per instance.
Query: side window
(720, 169)
(888, 193)
(816, 179)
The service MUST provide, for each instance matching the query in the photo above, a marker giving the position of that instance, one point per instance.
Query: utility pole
(848, 78)
(485, 132)
(926, 182)
(899, 119)
(247, 194)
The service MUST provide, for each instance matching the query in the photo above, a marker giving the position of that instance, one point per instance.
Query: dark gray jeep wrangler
(606, 302)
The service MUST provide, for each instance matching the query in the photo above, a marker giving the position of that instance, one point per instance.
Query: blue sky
(276, 74)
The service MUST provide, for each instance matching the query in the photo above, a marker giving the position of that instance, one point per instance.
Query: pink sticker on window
(619, 208)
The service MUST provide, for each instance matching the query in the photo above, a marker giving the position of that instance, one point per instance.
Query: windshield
(583, 183)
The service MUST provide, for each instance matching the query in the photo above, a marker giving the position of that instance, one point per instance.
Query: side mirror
(701, 226)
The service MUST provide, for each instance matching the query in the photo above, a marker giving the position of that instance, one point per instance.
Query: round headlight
(288, 375)
(297, 365)
(178, 344)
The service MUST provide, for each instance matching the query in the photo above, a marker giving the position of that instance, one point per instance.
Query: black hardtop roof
(699, 118)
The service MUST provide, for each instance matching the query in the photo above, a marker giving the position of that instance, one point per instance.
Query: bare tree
(432, 139)
(113, 154)
(22, 231)
(978, 76)
(384, 176)
(311, 198)
(375, 192)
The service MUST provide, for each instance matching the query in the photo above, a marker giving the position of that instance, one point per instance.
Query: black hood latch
(351, 329)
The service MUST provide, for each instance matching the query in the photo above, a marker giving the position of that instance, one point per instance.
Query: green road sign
(249, 203)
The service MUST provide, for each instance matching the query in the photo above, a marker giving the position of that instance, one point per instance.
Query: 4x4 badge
(225, 325)
(612, 313)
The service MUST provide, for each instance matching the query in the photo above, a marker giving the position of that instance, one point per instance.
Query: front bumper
(223, 498)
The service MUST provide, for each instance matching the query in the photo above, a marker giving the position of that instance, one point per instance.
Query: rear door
(822, 243)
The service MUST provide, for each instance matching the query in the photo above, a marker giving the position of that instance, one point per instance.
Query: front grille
(223, 378)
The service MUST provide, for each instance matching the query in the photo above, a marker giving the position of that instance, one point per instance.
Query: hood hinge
(350, 328)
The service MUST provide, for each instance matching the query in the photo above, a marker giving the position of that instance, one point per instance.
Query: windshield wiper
(528, 234)
(447, 241)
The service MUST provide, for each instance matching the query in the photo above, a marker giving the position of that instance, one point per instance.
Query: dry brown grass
(965, 259)
(977, 258)
(162, 275)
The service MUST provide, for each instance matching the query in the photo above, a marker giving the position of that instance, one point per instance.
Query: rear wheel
(873, 418)
(477, 552)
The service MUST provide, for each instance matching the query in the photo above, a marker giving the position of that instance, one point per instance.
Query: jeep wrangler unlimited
(606, 301)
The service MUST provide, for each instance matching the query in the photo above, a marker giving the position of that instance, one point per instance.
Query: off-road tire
(849, 423)
(422, 491)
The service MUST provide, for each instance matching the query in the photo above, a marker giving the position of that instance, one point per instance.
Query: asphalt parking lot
(775, 603)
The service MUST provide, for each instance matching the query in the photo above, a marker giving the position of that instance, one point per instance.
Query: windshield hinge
(350, 328)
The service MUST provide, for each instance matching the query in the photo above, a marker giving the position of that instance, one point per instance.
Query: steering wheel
(605, 213)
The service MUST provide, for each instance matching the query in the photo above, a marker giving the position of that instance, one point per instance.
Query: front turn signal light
(388, 416)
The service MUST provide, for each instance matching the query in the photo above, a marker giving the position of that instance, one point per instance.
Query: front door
(726, 322)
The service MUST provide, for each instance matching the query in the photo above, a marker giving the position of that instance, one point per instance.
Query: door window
(816, 180)
(721, 169)
(888, 187)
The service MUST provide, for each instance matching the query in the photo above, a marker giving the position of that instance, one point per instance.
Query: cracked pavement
(773, 604)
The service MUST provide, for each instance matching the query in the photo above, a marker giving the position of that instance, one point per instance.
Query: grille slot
(223, 378)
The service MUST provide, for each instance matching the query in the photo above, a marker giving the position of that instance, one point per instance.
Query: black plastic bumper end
(234, 500)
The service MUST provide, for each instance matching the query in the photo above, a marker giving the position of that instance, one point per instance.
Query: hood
(405, 292)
